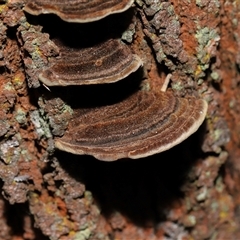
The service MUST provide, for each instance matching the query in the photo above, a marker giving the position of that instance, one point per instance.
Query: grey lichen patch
(153, 7)
(41, 126)
(218, 135)
(177, 86)
(202, 194)
(232, 103)
(10, 151)
(7, 103)
(199, 3)
(21, 116)
(129, 33)
(4, 127)
(220, 186)
(189, 220)
(39, 47)
(174, 230)
(208, 4)
(200, 81)
(57, 113)
(215, 76)
(83, 235)
(26, 155)
(50, 148)
(205, 35)
(164, 32)
(160, 55)
(208, 40)
(8, 86)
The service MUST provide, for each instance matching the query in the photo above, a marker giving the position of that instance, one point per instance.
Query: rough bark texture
(189, 192)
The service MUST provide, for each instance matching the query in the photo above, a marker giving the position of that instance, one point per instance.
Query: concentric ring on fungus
(77, 10)
(144, 124)
(107, 62)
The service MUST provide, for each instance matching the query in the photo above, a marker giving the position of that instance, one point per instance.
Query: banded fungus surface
(107, 62)
(77, 10)
(144, 124)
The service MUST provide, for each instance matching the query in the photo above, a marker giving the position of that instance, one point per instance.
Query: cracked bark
(188, 192)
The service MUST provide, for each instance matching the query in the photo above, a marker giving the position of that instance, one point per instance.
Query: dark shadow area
(140, 189)
(85, 34)
(2, 70)
(96, 95)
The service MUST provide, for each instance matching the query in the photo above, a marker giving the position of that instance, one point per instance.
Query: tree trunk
(190, 191)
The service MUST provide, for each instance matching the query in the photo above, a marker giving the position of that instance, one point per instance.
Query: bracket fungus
(107, 62)
(146, 123)
(143, 124)
(77, 10)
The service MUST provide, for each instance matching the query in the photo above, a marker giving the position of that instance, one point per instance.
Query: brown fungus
(77, 10)
(107, 62)
(143, 124)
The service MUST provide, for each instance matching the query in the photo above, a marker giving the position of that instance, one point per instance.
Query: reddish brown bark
(188, 192)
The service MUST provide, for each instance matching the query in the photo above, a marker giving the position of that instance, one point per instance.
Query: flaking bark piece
(77, 10)
(144, 124)
(107, 62)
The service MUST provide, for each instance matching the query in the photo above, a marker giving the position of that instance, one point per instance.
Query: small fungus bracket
(107, 62)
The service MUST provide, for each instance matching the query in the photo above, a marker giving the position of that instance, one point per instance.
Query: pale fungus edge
(183, 137)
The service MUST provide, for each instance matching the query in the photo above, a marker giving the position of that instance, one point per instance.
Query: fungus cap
(77, 10)
(144, 124)
(108, 62)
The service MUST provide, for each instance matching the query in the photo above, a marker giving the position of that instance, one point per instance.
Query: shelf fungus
(107, 62)
(143, 124)
(77, 10)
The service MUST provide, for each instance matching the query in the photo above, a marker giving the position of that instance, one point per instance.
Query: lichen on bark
(188, 192)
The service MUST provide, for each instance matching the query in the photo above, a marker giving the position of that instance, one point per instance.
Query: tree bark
(188, 192)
